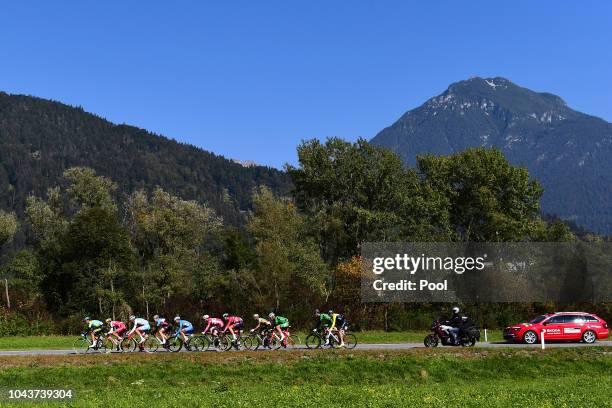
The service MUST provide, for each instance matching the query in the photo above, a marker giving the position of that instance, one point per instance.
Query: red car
(576, 326)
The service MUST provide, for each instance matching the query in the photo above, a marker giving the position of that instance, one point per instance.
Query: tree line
(92, 252)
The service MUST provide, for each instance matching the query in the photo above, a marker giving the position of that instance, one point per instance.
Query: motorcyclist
(455, 322)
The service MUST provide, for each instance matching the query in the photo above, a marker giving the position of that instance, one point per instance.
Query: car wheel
(589, 337)
(530, 337)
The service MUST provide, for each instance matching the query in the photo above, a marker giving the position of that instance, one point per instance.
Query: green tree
(289, 267)
(8, 228)
(94, 242)
(355, 192)
(87, 190)
(78, 244)
(168, 234)
(487, 198)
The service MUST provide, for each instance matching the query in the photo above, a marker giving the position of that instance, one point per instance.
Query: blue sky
(250, 79)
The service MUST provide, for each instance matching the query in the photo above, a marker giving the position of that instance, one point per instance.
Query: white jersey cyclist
(140, 324)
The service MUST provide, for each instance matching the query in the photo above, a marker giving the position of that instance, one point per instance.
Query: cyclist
(340, 324)
(263, 325)
(324, 321)
(161, 325)
(116, 329)
(184, 329)
(213, 324)
(281, 324)
(233, 324)
(93, 327)
(142, 327)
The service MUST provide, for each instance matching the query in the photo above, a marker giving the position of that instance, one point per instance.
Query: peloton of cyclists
(330, 323)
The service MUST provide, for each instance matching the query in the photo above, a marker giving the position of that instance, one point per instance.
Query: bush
(17, 324)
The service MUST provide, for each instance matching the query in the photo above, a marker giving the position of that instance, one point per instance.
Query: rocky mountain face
(568, 152)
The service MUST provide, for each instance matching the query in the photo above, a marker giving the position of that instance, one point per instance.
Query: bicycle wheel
(293, 342)
(128, 344)
(100, 345)
(175, 344)
(152, 344)
(249, 342)
(225, 343)
(313, 341)
(114, 347)
(350, 341)
(200, 343)
(81, 345)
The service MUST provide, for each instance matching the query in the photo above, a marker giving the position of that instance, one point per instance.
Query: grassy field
(65, 342)
(411, 378)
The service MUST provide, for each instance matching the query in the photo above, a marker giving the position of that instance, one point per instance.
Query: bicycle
(82, 344)
(327, 338)
(264, 339)
(176, 343)
(129, 343)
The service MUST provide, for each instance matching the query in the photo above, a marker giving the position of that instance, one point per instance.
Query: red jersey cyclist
(234, 325)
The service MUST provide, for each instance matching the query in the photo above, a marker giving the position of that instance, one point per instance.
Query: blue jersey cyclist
(184, 328)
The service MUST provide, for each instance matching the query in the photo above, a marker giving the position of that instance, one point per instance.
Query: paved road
(396, 346)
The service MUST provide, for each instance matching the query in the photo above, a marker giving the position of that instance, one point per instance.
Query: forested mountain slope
(39, 139)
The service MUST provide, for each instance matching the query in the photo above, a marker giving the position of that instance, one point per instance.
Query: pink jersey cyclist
(116, 327)
(212, 323)
(232, 323)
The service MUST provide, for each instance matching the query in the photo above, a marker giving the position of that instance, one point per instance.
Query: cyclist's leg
(142, 339)
(281, 334)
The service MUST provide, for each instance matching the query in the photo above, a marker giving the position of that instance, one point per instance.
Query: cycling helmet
(255, 316)
(206, 317)
(132, 318)
(455, 309)
(177, 318)
(86, 318)
(317, 312)
(108, 320)
(225, 315)
(155, 317)
(331, 312)
(271, 315)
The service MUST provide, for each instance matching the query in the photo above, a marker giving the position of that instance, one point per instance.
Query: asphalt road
(395, 346)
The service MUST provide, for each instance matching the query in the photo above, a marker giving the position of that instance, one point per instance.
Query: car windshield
(538, 319)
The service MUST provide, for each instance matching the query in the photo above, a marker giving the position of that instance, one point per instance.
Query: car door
(553, 328)
(572, 327)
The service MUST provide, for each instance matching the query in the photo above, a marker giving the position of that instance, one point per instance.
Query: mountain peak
(564, 149)
(505, 92)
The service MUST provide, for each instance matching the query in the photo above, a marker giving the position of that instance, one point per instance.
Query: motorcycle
(467, 336)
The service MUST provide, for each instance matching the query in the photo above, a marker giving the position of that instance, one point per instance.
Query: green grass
(428, 378)
(65, 342)
(36, 342)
